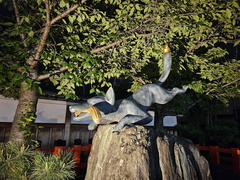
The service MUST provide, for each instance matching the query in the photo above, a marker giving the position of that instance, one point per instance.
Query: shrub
(53, 167)
(224, 133)
(23, 162)
(191, 132)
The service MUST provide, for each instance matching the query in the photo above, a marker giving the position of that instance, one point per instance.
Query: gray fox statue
(132, 110)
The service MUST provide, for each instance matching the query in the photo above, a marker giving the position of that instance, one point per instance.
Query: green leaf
(27, 19)
(7, 24)
(92, 18)
(92, 90)
(236, 43)
(39, 2)
(235, 4)
(132, 11)
(62, 3)
(71, 18)
(228, 13)
(69, 29)
(68, 96)
(138, 7)
(39, 89)
(15, 66)
(31, 34)
(79, 19)
(26, 86)
(29, 81)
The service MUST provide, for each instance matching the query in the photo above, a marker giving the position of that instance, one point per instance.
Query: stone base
(140, 153)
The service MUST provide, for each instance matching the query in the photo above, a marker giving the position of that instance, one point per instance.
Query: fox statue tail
(167, 63)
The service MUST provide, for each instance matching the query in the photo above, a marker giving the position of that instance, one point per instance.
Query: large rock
(138, 153)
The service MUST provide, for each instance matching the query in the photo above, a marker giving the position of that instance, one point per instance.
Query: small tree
(73, 43)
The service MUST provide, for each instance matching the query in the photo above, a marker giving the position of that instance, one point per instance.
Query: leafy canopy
(99, 40)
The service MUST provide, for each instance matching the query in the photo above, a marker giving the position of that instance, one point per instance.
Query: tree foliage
(99, 40)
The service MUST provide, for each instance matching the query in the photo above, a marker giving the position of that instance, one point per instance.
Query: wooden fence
(226, 158)
(77, 151)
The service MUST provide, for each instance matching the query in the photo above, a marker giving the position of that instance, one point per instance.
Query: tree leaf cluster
(101, 40)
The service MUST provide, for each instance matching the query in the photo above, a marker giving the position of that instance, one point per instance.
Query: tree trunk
(138, 153)
(27, 103)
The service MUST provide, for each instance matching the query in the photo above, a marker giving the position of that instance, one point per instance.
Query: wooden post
(214, 155)
(158, 118)
(56, 149)
(236, 160)
(67, 126)
(50, 137)
(77, 150)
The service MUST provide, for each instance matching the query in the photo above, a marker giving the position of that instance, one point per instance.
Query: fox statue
(132, 110)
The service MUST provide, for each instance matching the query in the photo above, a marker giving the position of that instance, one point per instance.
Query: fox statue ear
(110, 96)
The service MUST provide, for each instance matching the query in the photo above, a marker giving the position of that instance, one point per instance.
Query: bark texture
(137, 153)
(27, 103)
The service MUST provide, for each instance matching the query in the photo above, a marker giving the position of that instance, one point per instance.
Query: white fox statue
(132, 110)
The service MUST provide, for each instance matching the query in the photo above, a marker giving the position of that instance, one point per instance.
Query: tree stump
(138, 153)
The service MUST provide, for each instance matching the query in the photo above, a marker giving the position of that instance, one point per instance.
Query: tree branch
(193, 104)
(223, 86)
(33, 61)
(109, 45)
(18, 21)
(65, 13)
(122, 39)
(205, 41)
(138, 79)
(154, 18)
(45, 76)
(211, 90)
(144, 22)
(45, 33)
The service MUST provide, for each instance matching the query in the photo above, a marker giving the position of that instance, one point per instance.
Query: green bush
(15, 161)
(224, 133)
(23, 162)
(191, 132)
